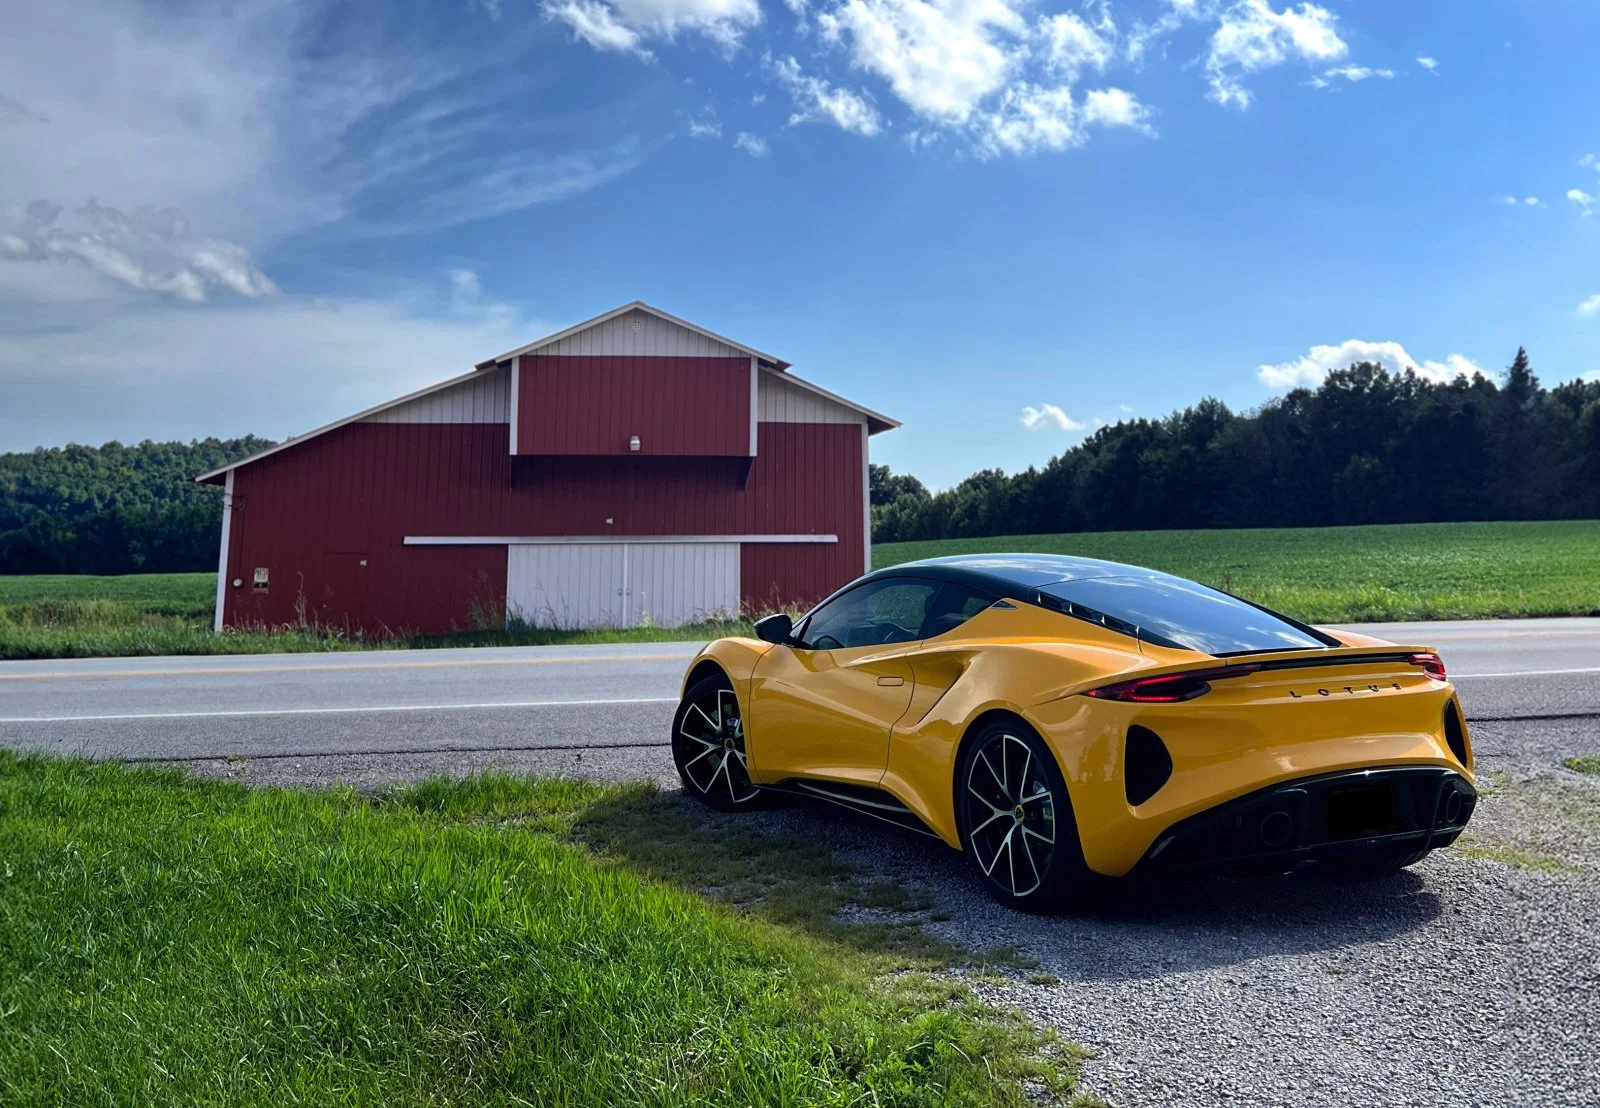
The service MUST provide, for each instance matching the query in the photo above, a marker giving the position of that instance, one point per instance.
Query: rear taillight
(1169, 689)
(1430, 663)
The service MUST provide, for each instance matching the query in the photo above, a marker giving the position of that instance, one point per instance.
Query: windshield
(1170, 611)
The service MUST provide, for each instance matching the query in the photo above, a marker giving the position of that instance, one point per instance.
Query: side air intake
(1146, 765)
(1454, 734)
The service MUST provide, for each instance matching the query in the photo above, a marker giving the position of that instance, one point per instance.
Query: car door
(823, 706)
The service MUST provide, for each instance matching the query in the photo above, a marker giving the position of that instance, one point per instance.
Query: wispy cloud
(1048, 417)
(1309, 370)
(623, 25)
(1430, 64)
(753, 145)
(1584, 200)
(1590, 306)
(817, 100)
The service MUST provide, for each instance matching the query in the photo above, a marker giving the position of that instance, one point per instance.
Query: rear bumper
(1384, 810)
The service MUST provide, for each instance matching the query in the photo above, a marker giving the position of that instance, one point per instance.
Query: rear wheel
(1017, 826)
(708, 746)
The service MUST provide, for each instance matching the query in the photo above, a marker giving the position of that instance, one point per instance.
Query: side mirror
(775, 628)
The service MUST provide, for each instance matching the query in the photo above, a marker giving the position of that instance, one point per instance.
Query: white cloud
(941, 57)
(1587, 160)
(622, 25)
(1532, 202)
(143, 249)
(1356, 73)
(706, 127)
(1311, 369)
(1582, 199)
(817, 100)
(1048, 417)
(1031, 118)
(1251, 36)
(753, 145)
(1430, 64)
(1590, 306)
(1114, 107)
(1072, 46)
(1125, 408)
(596, 23)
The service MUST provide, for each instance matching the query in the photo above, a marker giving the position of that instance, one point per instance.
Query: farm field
(488, 940)
(1325, 574)
(1351, 574)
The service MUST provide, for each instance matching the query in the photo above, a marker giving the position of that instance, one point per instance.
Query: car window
(952, 606)
(889, 611)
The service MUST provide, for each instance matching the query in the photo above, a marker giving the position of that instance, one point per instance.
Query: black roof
(1148, 605)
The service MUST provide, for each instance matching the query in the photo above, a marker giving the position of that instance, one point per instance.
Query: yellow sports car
(1060, 718)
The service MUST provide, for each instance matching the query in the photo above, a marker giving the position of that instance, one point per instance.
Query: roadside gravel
(1463, 981)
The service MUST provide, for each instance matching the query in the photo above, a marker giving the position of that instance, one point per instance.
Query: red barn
(634, 468)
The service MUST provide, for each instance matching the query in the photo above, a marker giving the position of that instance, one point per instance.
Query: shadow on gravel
(782, 862)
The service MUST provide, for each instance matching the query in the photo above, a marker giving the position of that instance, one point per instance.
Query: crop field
(497, 940)
(1325, 575)
(1351, 574)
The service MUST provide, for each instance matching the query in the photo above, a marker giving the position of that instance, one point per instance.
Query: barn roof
(876, 422)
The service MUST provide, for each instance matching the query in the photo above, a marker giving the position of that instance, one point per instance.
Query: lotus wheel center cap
(727, 743)
(1016, 813)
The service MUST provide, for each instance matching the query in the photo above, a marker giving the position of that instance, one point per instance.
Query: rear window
(1170, 611)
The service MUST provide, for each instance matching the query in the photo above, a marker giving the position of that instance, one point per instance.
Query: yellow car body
(882, 725)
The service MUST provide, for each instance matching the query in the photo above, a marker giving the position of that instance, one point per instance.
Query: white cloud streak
(818, 101)
(1048, 417)
(623, 25)
(1590, 307)
(1309, 371)
(1584, 200)
(753, 145)
(1430, 64)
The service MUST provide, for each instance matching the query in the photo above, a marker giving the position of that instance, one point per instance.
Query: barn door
(567, 585)
(343, 603)
(670, 584)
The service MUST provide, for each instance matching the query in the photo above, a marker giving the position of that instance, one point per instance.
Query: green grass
(1351, 574)
(61, 616)
(167, 940)
(1321, 574)
(1586, 764)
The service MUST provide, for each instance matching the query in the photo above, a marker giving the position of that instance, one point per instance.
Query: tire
(1375, 865)
(708, 746)
(1016, 821)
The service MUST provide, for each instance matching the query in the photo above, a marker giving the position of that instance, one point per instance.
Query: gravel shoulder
(1473, 978)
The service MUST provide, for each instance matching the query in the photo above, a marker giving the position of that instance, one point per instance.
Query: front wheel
(708, 746)
(1017, 825)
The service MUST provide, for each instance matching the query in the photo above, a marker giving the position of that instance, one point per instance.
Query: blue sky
(1000, 221)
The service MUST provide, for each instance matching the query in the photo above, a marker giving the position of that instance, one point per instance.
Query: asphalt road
(604, 709)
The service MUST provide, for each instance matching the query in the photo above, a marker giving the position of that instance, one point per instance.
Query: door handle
(891, 682)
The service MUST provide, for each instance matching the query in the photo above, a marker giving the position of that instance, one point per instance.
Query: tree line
(114, 508)
(1365, 446)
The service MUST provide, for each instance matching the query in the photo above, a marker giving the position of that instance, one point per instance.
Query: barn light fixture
(633, 443)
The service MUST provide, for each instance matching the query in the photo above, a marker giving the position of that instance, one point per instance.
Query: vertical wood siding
(637, 333)
(485, 398)
(568, 585)
(595, 405)
(783, 401)
(360, 489)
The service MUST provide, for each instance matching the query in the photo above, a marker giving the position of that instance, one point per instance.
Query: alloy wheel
(1011, 814)
(710, 748)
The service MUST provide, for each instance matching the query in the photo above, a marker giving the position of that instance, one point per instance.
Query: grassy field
(1351, 574)
(1325, 575)
(166, 940)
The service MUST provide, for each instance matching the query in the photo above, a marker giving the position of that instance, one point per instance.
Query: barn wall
(311, 513)
(593, 405)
